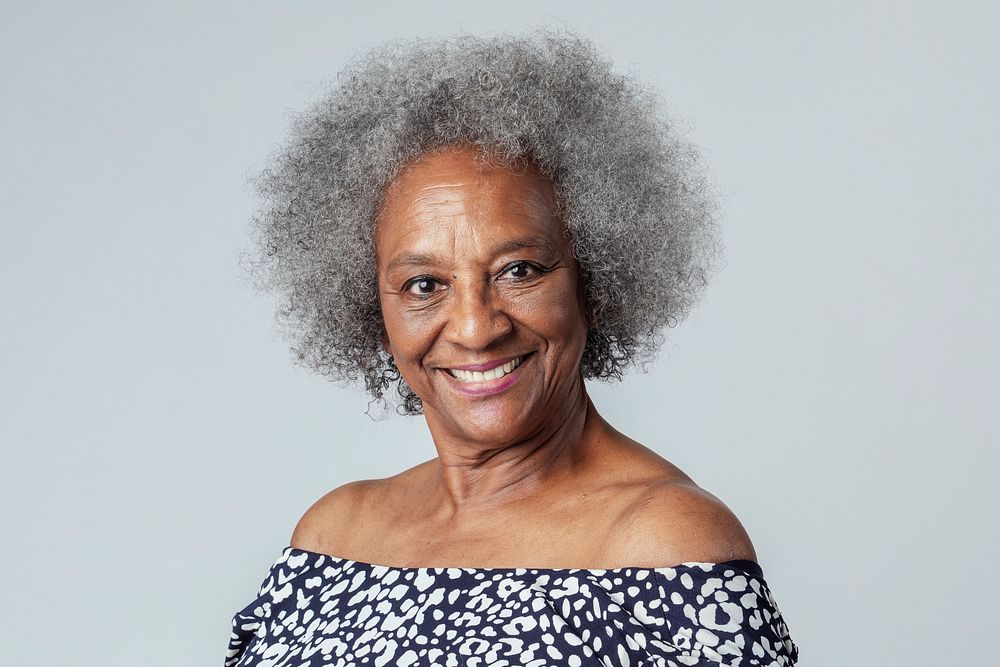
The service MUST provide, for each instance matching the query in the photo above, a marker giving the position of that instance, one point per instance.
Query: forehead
(447, 197)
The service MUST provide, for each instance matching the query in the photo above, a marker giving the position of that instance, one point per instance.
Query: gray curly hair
(631, 193)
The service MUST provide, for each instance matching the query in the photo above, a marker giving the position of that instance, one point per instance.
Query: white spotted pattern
(315, 609)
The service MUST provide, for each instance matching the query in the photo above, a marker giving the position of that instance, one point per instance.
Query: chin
(489, 421)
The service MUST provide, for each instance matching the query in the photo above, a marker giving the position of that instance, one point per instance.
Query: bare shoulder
(676, 521)
(330, 520)
(353, 517)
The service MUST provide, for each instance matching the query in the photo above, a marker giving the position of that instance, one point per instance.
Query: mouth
(494, 373)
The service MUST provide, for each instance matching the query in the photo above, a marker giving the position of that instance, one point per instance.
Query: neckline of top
(746, 566)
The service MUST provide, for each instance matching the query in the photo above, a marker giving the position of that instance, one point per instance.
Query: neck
(474, 478)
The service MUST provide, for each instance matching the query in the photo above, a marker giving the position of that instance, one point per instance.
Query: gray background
(836, 387)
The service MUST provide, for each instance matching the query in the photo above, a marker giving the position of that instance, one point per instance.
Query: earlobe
(385, 342)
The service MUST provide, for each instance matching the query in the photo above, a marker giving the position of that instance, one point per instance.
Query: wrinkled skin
(480, 298)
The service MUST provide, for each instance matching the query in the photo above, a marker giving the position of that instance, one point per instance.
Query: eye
(522, 270)
(421, 286)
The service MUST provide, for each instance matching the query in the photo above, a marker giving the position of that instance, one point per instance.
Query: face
(480, 296)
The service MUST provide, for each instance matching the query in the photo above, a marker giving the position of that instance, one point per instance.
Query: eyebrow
(422, 259)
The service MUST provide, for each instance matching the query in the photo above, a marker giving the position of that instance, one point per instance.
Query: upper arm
(327, 522)
(679, 522)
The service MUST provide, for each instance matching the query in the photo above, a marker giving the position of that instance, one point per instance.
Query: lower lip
(486, 387)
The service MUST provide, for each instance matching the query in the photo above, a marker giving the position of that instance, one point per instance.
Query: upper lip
(486, 366)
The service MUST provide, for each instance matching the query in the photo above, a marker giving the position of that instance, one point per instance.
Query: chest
(578, 534)
(356, 613)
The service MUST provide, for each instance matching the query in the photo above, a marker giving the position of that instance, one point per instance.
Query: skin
(473, 266)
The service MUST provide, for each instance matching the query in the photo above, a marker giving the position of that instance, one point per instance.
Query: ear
(385, 342)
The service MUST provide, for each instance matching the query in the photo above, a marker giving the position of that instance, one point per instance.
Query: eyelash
(425, 295)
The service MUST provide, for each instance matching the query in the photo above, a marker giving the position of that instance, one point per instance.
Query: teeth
(483, 376)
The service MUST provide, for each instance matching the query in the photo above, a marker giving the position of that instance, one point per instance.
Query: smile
(494, 373)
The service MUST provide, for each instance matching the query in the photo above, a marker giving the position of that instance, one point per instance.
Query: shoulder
(354, 516)
(676, 521)
(324, 526)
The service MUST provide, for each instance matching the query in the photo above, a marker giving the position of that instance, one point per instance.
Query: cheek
(555, 313)
(409, 333)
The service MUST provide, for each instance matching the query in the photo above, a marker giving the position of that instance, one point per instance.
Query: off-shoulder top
(317, 609)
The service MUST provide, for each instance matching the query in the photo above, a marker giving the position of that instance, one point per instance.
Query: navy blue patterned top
(316, 609)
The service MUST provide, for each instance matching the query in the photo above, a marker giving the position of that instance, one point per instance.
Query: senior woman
(481, 224)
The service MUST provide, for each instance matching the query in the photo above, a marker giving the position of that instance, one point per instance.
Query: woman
(486, 223)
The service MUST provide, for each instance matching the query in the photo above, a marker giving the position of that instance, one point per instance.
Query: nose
(477, 317)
